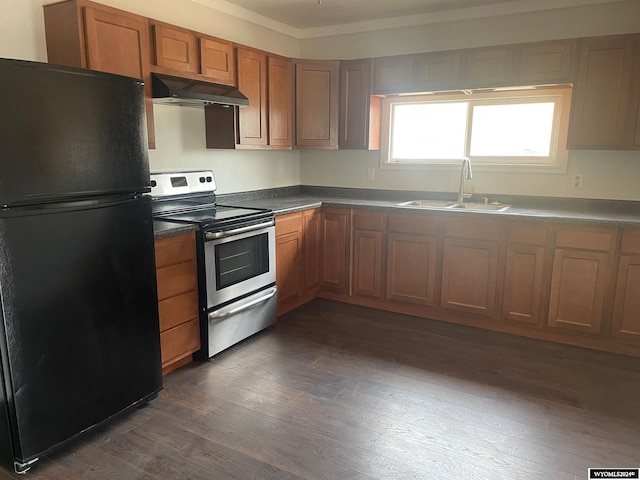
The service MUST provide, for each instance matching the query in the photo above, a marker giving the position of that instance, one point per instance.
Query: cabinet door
(411, 268)
(626, 312)
(602, 92)
(119, 43)
(334, 245)
(280, 105)
(489, 67)
(547, 62)
(289, 267)
(438, 71)
(469, 275)
(359, 126)
(578, 285)
(252, 81)
(523, 283)
(394, 74)
(217, 60)
(312, 253)
(317, 92)
(367, 263)
(175, 48)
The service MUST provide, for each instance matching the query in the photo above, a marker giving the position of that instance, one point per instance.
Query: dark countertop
(626, 214)
(294, 199)
(163, 229)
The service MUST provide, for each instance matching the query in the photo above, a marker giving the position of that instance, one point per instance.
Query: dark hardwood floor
(336, 391)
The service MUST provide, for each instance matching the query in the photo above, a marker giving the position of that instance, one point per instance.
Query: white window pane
(517, 130)
(428, 131)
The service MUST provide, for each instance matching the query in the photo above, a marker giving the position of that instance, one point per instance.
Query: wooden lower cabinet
(368, 249)
(297, 254)
(411, 259)
(289, 258)
(579, 280)
(177, 278)
(334, 250)
(626, 311)
(566, 283)
(470, 266)
(523, 293)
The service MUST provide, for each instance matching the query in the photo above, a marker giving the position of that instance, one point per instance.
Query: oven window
(241, 260)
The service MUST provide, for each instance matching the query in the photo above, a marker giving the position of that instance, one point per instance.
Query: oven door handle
(243, 304)
(228, 233)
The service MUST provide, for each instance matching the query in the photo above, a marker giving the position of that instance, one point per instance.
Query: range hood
(170, 90)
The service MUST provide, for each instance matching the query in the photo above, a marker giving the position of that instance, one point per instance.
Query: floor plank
(336, 391)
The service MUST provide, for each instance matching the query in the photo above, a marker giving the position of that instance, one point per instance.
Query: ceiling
(309, 14)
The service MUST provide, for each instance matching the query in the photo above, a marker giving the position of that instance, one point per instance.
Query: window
(509, 130)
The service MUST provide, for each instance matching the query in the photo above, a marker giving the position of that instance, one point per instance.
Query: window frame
(558, 154)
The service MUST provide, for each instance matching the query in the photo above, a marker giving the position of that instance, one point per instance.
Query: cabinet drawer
(631, 242)
(172, 250)
(180, 341)
(363, 220)
(473, 229)
(585, 239)
(177, 310)
(528, 235)
(176, 279)
(289, 223)
(417, 223)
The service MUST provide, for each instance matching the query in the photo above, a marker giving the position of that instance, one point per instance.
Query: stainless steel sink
(449, 205)
(428, 203)
(494, 207)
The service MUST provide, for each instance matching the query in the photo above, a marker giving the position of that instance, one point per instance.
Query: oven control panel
(180, 183)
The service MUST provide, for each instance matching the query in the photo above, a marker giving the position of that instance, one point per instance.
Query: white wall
(607, 174)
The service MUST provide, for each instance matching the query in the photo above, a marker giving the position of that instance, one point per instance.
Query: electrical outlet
(576, 180)
(371, 174)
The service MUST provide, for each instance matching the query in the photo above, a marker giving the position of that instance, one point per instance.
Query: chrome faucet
(464, 176)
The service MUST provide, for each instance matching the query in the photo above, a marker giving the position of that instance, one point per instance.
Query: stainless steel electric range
(236, 257)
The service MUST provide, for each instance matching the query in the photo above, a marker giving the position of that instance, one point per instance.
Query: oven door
(238, 262)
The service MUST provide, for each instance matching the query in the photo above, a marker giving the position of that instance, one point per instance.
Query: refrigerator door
(69, 132)
(80, 318)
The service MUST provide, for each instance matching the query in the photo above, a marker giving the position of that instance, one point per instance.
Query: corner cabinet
(359, 125)
(368, 252)
(177, 277)
(90, 35)
(316, 104)
(334, 250)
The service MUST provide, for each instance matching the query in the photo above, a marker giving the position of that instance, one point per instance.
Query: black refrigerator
(79, 336)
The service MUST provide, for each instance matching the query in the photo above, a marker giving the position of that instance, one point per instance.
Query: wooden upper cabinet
(394, 74)
(359, 125)
(252, 81)
(86, 34)
(440, 70)
(175, 48)
(604, 114)
(317, 100)
(217, 60)
(489, 67)
(280, 102)
(547, 62)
